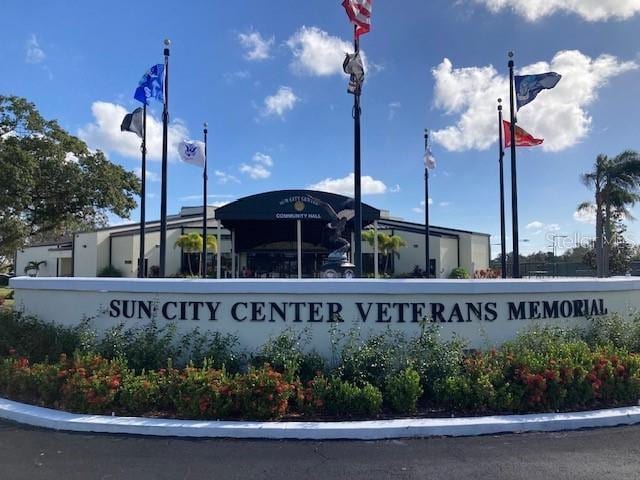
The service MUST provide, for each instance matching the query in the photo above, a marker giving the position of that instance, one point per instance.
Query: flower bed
(127, 372)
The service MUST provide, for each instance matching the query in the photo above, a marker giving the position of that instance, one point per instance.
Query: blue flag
(529, 86)
(151, 85)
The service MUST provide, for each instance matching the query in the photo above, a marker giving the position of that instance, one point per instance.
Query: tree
(34, 266)
(191, 243)
(391, 244)
(615, 182)
(388, 245)
(620, 253)
(50, 183)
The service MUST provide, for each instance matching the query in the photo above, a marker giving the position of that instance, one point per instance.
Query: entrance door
(283, 264)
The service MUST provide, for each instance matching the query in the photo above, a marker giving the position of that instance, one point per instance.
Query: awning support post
(233, 254)
(375, 249)
(219, 253)
(299, 243)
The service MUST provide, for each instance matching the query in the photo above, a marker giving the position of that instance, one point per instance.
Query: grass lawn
(4, 291)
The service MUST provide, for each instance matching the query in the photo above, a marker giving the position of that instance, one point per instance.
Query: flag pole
(503, 228)
(357, 173)
(514, 176)
(427, 232)
(204, 206)
(143, 192)
(163, 197)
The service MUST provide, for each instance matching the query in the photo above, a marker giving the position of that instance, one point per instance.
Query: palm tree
(391, 244)
(616, 183)
(34, 265)
(369, 236)
(191, 243)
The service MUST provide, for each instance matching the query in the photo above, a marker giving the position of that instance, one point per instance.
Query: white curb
(362, 430)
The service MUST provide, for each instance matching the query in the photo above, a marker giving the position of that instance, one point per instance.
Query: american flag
(359, 12)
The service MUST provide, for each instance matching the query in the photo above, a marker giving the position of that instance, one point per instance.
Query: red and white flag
(523, 138)
(359, 12)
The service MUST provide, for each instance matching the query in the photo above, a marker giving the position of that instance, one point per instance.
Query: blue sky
(266, 77)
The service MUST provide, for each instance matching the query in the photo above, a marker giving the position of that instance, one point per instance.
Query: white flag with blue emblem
(192, 152)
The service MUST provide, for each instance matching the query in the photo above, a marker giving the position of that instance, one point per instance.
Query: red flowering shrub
(261, 393)
(140, 394)
(487, 274)
(91, 383)
(22, 381)
(311, 399)
(201, 393)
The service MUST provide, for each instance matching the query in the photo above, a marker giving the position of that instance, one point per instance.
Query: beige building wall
(448, 257)
(57, 261)
(36, 254)
(85, 254)
(122, 256)
(480, 252)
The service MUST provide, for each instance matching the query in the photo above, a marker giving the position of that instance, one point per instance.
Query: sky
(267, 77)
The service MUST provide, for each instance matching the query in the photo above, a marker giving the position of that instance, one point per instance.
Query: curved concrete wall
(485, 312)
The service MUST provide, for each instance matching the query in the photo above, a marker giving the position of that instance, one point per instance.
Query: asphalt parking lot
(34, 454)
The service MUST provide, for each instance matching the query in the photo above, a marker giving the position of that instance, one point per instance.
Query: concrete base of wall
(363, 430)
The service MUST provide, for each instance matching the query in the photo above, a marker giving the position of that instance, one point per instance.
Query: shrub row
(93, 384)
(152, 371)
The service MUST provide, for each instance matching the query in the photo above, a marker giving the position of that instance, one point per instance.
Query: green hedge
(152, 370)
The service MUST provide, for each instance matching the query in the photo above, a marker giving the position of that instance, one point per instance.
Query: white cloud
(104, 133)
(395, 189)
(280, 103)
(257, 47)
(315, 52)
(590, 10)
(151, 176)
(535, 226)
(259, 168)
(587, 215)
(393, 108)
(420, 209)
(345, 185)
(35, 54)
(255, 171)
(224, 177)
(263, 158)
(559, 115)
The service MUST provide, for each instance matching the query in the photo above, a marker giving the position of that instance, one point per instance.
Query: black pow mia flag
(354, 67)
(132, 122)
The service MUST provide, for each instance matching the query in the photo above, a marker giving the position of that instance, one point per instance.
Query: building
(276, 234)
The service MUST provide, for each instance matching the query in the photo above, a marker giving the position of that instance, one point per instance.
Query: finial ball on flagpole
(499, 100)
(167, 42)
(510, 54)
